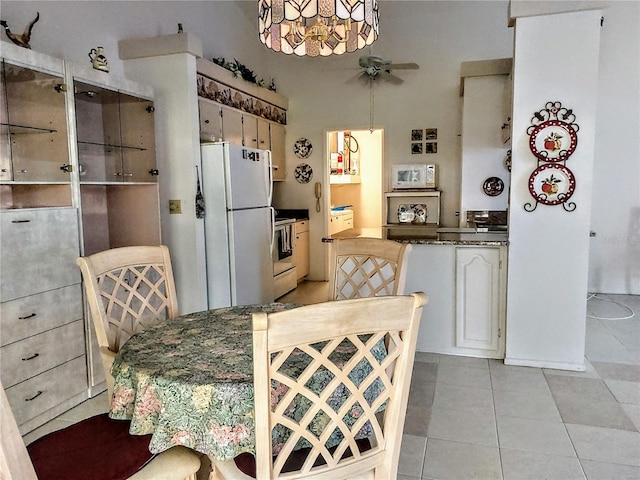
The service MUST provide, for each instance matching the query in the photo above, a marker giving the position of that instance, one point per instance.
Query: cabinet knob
(154, 171)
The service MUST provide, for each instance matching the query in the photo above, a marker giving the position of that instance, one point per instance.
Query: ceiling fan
(376, 68)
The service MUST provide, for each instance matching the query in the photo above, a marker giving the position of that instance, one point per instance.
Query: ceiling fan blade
(389, 77)
(401, 66)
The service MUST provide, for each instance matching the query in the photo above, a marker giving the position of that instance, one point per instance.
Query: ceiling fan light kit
(317, 27)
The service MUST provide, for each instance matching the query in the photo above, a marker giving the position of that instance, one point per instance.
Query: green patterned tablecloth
(189, 381)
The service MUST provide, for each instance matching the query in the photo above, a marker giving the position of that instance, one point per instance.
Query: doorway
(354, 183)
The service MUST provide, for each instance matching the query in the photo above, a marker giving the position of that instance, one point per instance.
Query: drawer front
(34, 355)
(39, 394)
(39, 249)
(27, 316)
(302, 226)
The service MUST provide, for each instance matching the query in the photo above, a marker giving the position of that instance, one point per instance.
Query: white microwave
(413, 176)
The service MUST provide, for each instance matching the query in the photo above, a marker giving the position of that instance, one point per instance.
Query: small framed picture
(431, 147)
(431, 134)
(416, 135)
(416, 148)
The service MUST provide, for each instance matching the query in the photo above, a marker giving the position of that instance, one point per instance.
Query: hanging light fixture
(317, 27)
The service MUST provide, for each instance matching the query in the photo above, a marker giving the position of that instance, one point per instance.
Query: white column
(555, 59)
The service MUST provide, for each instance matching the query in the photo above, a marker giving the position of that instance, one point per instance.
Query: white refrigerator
(238, 223)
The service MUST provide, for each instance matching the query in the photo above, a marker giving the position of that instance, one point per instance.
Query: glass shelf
(13, 129)
(110, 145)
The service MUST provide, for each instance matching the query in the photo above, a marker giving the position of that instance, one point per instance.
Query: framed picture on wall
(431, 134)
(431, 147)
(416, 135)
(416, 148)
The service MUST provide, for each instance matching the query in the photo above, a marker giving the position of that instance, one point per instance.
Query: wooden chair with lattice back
(367, 267)
(128, 288)
(329, 393)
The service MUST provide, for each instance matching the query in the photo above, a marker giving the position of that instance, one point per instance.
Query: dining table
(189, 381)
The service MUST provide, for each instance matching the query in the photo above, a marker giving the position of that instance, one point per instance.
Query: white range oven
(284, 271)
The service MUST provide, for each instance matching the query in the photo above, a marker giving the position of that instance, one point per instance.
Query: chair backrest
(15, 463)
(128, 288)
(367, 267)
(323, 379)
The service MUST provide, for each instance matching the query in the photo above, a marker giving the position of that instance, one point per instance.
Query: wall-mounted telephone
(318, 192)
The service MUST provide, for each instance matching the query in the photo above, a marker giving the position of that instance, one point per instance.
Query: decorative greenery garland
(241, 71)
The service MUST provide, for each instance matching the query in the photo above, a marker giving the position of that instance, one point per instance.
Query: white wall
(614, 259)
(483, 151)
(549, 247)
(436, 35)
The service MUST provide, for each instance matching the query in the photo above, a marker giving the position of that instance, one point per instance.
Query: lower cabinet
(466, 286)
(339, 222)
(301, 249)
(42, 348)
(479, 303)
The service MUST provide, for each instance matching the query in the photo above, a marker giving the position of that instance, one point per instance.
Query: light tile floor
(473, 418)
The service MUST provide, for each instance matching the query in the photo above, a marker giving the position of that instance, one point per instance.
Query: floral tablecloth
(189, 381)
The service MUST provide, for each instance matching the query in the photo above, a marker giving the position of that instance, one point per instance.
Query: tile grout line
(495, 417)
(564, 425)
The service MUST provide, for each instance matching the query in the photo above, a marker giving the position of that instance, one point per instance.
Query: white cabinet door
(479, 316)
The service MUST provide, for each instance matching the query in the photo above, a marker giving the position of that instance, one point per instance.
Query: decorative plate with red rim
(553, 141)
(552, 184)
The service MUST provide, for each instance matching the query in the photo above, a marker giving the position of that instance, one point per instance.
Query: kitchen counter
(439, 236)
(450, 238)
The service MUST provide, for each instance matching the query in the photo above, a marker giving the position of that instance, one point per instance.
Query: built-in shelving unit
(428, 200)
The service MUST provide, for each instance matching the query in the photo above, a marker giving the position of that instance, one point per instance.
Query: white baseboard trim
(520, 362)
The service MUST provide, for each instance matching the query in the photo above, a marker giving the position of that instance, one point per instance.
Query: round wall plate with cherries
(553, 141)
(552, 184)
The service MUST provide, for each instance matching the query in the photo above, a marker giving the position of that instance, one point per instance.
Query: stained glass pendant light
(317, 27)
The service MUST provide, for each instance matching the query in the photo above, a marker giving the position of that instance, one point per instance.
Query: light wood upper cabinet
(210, 120)
(232, 125)
(277, 133)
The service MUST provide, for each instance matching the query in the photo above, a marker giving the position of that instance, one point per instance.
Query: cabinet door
(231, 125)
(138, 139)
(98, 131)
(301, 254)
(5, 145)
(277, 132)
(37, 118)
(250, 131)
(210, 121)
(264, 139)
(478, 306)
(39, 250)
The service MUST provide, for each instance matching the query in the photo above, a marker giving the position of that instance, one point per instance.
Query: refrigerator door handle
(273, 230)
(270, 177)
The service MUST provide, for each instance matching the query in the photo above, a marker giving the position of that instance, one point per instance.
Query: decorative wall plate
(552, 184)
(419, 212)
(405, 213)
(303, 173)
(493, 186)
(302, 148)
(553, 141)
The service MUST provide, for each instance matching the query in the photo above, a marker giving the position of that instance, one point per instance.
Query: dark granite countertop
(449, 236)
(296, 214)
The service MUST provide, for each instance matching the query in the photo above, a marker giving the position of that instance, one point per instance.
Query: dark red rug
(97, 448)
